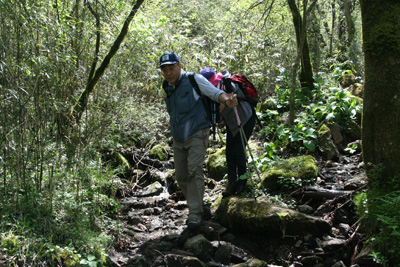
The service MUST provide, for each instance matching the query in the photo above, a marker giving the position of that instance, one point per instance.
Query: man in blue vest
(190, 129)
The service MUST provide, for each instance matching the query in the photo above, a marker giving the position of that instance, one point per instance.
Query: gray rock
(254, 263)
(199, 246)
(344, 228)
(332, 244)
(134, 218)
(173, 260)
(223, 253)
(306, 209)
(152, 190)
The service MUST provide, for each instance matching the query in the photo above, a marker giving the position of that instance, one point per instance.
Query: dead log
(315, 192)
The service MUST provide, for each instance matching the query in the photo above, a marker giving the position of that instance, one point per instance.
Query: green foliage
(384, 218)
(69, 218)
(9, 243)
(378, 208)
(293, 183)
(360, 200)
(326, 104)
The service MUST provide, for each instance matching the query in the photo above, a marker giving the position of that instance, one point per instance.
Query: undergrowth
(379, 210)
(69, 222)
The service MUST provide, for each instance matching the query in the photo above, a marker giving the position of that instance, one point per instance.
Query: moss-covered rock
(356, 89)
(347, 80)
(262, 217)
(67, 257)
(268, 104)
(299, 169)
(325, 143)
(159, 152)
(117, 159)
(216, 164)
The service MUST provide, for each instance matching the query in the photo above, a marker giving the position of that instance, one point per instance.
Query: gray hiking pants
(189, 157)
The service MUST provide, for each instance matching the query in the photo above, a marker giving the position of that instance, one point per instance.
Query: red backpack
(249, 90)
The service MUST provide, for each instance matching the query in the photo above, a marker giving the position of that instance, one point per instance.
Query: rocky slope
(155, 234)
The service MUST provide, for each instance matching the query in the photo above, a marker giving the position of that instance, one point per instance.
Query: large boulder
(260, 217)
(298, 168)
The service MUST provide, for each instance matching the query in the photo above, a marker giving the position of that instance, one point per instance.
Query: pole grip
(236, 112)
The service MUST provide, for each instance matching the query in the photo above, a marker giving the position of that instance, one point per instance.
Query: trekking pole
(251, 155)
(244, 144)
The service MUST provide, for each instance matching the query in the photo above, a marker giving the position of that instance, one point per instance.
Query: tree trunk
(80, 107)
(301, 36)
(381, 111)
(349, 22)
(333, 28)
(306, 72)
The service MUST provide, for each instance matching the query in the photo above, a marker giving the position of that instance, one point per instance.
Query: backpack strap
(194, 83)
(210, 106)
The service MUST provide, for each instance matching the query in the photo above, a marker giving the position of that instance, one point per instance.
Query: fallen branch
(315, 192)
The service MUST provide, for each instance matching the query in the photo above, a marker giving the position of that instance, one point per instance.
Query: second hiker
(235, 149)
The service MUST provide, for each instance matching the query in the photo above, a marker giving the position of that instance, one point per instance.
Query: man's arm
(214, 93)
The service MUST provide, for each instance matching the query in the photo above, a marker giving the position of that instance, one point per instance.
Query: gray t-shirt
(244, 111)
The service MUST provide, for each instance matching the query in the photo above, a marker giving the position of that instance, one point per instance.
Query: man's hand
(231, 101)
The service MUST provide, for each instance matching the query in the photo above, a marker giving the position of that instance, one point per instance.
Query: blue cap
(208, 73)
(168, 58)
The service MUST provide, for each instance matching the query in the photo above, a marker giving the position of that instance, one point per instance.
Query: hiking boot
(240, 186)
(207, 212)
(194, 221)
(230, 189)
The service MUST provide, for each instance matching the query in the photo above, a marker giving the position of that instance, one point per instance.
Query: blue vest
(187, 115)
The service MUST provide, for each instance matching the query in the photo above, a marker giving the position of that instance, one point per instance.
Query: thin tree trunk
(306, 72)
(80, 107)
(300, 26)
(349, 22)
(97, 48)
(333, 28)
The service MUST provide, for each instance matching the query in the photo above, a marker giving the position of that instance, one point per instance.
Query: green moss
(292, 172)
(9, 243)
(67, 257)
(159, 152)
(216, 164)
(263, 217)
(322, 130)
(120, 160)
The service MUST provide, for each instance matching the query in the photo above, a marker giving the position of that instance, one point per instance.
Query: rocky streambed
(311, 226)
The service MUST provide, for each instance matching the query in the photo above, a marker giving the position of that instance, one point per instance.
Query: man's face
(171, 72)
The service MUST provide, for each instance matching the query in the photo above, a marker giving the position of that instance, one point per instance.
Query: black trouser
(235, 155)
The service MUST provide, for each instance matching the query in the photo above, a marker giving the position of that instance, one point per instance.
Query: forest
(83, 110)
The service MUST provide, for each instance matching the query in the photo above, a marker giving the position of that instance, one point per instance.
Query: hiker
(190, 129)
(235, 149)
